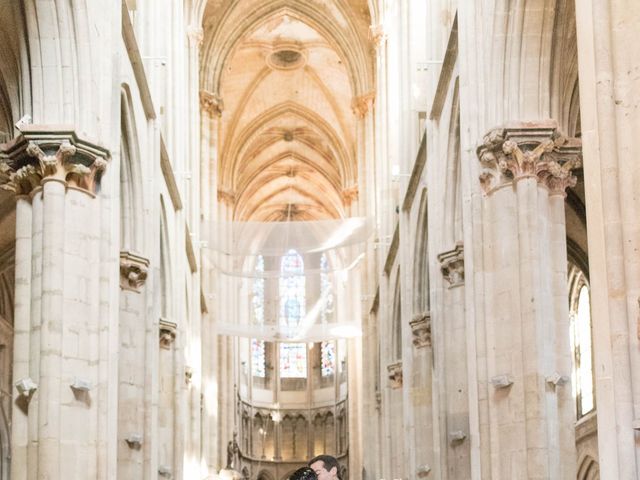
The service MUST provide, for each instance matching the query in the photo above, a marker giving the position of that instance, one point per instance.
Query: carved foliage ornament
(395, 375)
(452, 265)
(421, 329)
(39, 154)
(133, 271)
(377, 35)
(529, 151)
(362, 105)
(211, 103)
(350, 194)
(168, 331)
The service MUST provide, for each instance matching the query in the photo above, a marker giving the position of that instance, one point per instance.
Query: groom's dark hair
(328, 461)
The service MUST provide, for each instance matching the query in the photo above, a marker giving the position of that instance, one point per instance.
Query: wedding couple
(322, 467)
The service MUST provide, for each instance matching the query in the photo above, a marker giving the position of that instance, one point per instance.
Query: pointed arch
(396, 320)
(166, 275)
(351, 47)
(421, 297)
(452, 228)
(230, 159)
(589, 469)
(131, 208)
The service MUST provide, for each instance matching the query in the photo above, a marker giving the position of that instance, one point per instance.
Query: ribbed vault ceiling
(287, 73)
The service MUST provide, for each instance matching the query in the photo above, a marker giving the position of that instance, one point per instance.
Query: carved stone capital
(452, 265)
(133, 271)
(195, 34)
(42, 152)
(362, 105)
(395, 375)
(529, 150)
(211, 103)
(350, 194)
(421, 329)
(377, 35)
(168, 331)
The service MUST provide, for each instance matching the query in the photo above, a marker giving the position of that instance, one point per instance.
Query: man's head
(325, 466)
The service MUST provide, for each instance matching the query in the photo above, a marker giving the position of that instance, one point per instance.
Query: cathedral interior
(238, 234)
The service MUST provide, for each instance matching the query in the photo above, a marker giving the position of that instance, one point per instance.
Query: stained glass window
(326, 289)
(293, 356)
(292, 285)
(328, 357)
(257, 301)
(257, 358)
(293, 360)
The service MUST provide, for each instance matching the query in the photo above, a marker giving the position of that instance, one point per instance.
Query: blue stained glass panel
(328, 354)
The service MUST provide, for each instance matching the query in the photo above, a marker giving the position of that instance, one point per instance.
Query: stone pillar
(210, 111)
(134, 369)
(22, 331)
(452, 369)
(525, 339)
(608, 53)
(57, 378)
(421, 394)
(166, 411)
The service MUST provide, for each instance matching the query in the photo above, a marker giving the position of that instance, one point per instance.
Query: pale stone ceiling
(287, 73)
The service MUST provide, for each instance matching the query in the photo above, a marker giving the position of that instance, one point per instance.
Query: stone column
(134, 369)
(421, 393)
(210, 111)
(22, 330)
(166, 410)
(525, 339)
(57, 364)
(452, 369)
(360, 199)
(608, 53)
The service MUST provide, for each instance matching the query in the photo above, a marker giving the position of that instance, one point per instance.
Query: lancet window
(328, 358)
(581, 342)
(293, 356)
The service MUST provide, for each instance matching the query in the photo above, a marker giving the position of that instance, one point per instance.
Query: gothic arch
(131, 207)
(220, 45)
(421, 297)
(229, 173)
(453, 189)
(166, 307)
(589, 469)
(396, 320)
(265, 475)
